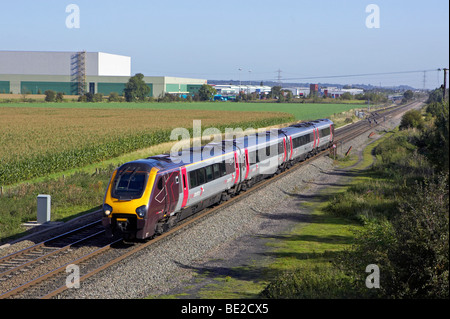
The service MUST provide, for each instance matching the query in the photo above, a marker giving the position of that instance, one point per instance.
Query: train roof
(260, 137)
(188, 156)
(162, 162)
(306, 126)
(166, 162)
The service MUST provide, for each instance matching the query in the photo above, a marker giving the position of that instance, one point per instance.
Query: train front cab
(126, 200)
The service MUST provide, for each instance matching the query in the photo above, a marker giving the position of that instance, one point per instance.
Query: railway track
(40, 271)
(23, 269)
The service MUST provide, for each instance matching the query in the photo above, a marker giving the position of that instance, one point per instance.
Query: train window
(193, 179)
(267, 151)
(201, 179)
(280, 147)
(184, 181)
(129, 184)
(296, 142)
(304, 139)
(223, 169)
(216, 169)
(301, 140)
(325, 132)
(160, 184)
(252, 157)
(209, 173)
(259, 156)
(229, 166)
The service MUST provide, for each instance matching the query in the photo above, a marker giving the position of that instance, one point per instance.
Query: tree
(136, 89)
(206, 92)
(275, 92)
(408, 95)
(437, 95)
(347, 96)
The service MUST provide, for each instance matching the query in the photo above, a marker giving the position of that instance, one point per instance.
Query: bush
(50, 96)
(412, 119)
(59, 97)
(436, 140)
(89, 97)
(411, 250)
(114, 97)
(97, 97)
(421, 256)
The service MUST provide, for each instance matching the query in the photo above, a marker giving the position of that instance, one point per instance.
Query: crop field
(36, 141)
(301, 111)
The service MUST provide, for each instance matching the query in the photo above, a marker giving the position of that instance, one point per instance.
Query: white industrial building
(335, 92)
(225, 89)
(63, 63)
(299, 91)
(75, 73)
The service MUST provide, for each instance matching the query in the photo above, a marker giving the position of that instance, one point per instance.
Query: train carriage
(147, 197)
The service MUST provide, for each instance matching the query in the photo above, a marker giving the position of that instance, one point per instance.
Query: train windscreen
(130, 182)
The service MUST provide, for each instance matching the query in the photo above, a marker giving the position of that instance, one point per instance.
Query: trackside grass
(394, 214)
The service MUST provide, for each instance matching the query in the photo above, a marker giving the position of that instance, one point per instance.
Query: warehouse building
(75, 73)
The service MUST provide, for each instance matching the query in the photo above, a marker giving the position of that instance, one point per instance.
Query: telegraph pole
(424, 80)
(445, 84)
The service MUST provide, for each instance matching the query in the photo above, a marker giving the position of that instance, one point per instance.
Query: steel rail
(51, 273)
(34, 250)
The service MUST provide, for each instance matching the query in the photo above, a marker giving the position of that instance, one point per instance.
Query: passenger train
(147, 197)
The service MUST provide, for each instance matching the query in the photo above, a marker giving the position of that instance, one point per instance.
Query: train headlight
(141, 211)
(107, 209)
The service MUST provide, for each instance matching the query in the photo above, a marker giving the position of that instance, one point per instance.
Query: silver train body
(170, 188)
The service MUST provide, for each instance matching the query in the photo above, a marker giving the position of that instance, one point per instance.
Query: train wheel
(224, 198)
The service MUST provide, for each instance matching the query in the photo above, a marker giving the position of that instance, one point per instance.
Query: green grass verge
(304, 264)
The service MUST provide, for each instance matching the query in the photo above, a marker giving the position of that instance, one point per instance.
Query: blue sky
(213, 39)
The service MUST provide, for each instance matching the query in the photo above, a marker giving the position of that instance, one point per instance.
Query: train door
(172, 187)
(237, 167)
(159, 195)
(290, 147)
(243, 160)
(184, 186)
(247, 164)
(318, 138)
